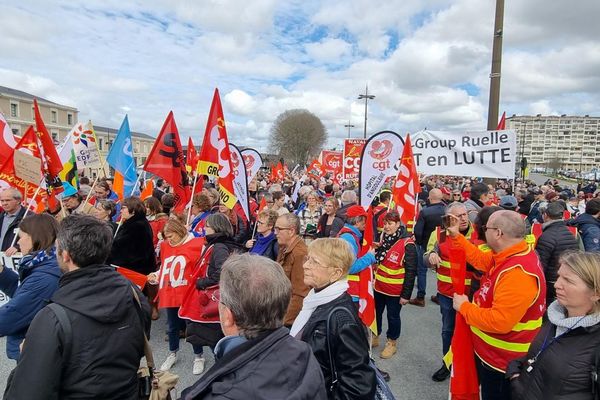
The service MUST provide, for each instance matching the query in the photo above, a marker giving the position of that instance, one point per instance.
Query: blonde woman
(309, 217)
(563, 358)
(325, 269)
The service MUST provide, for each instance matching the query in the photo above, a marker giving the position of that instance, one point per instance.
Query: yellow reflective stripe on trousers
(352, 277)
(528, 326)
(389, 270)
(500, 344)
(447, 279)
(392, 281)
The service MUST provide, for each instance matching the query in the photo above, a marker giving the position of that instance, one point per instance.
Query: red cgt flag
(191, 159)
(166, 161)
(407, 187)
(215, 158)
(366, 298)
(7, 170)
(51, 164)
(464, 384)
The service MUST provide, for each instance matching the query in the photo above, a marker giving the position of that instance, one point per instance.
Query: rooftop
(28, 96)
(113, 131)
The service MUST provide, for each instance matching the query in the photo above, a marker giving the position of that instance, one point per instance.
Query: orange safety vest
(444, 280)
(389, 277)
(497, 349)
(353, 279)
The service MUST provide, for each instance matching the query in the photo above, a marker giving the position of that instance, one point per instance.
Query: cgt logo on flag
(249, 161)
(235, 163)
(381, 149)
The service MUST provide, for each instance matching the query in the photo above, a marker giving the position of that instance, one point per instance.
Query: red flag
(464, 384)
(366, 298)
(8, 141)
(315, 170)
(215, 158)
(406, 187)
(263, 204)
(280, 172)
(502, 123)
(166, 160)
(7, 170)
(134, 277)
(192, 156)
(51, 164)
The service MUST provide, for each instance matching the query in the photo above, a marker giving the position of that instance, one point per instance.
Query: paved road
(540, 179)
(418, 357)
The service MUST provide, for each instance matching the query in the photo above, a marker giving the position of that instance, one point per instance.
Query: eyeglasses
(282, 228)
(259, 222)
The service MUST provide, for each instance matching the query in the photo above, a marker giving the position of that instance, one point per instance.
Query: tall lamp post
(348, 126)
(367, 97)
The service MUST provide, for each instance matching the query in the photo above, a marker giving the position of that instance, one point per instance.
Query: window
(54, 135)
(14, 110)
(100, 143)
(69, 119)
(15, 131)
(53, 116)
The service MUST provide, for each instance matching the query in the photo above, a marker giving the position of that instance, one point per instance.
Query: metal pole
(494, 102)
(366, 100)
(349, 126)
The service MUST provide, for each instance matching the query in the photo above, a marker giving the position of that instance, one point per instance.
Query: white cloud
(329, 50)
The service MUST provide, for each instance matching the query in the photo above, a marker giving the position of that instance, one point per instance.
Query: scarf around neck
(262, 243)
(316, 299)
(557, 314)
(387, 241)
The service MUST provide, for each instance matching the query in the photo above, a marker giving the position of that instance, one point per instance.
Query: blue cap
(69, 190)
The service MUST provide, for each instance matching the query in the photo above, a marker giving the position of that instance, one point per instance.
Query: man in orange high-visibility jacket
(506, 313)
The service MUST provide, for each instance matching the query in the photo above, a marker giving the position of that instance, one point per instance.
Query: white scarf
(315, 299)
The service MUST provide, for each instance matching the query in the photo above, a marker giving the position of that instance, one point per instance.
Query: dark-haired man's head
(82, 241)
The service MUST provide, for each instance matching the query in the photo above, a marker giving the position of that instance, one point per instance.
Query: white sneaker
(198, 366)
(169, 362)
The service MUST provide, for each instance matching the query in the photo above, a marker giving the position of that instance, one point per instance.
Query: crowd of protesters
(275, 299)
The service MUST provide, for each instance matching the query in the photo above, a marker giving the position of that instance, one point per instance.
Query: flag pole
(187, 221)
(26, 209)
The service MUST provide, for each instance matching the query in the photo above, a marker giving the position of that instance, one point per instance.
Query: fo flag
(166, 160)
(215, 158)
(253, 161)
(406, 187)
(240, 180)
(380, 154)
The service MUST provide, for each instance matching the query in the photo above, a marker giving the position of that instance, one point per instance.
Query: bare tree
(555, 164)
(297, 135)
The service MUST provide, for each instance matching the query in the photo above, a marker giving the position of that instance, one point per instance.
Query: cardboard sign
(27, 167)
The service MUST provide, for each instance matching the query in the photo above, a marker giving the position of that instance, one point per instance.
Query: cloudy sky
(427, 61)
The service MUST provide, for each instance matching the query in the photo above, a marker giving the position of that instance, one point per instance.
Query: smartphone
(446, 221)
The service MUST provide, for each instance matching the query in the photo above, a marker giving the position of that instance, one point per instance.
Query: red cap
(445, 190)
(356, 211)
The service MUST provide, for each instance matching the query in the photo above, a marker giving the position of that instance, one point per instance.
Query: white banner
(489, 154)
(253, 161)
(240, 180)
(380, 154)
(10, 263)
(85, 146)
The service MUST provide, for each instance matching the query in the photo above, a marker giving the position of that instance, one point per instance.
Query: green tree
(297, 135)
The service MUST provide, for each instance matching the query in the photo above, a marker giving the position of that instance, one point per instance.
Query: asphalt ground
(418, 357)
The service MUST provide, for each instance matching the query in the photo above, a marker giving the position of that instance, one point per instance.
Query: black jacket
(336, 225)
(223, 247)
(562, 371)
(554, 240)
(272, 366)
(429, 218)
(10, 233)
(107, 342)
(350, 349)
(133, 248)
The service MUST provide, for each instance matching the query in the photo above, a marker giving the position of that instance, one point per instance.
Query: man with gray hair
(10, 200)
(349, 198)
(506, 313)
(89, 342)
(257, 358)
(292, 251)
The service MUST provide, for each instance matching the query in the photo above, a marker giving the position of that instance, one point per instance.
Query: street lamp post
(367, 97)
(348, 126)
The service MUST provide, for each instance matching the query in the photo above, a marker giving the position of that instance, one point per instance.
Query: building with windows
(17, 107)
(557, 142)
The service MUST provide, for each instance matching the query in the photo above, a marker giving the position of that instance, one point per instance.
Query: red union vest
(177, 267)
(444, 280)
(389, 278)
(536, 232)
(496, 349)
(353, 279)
